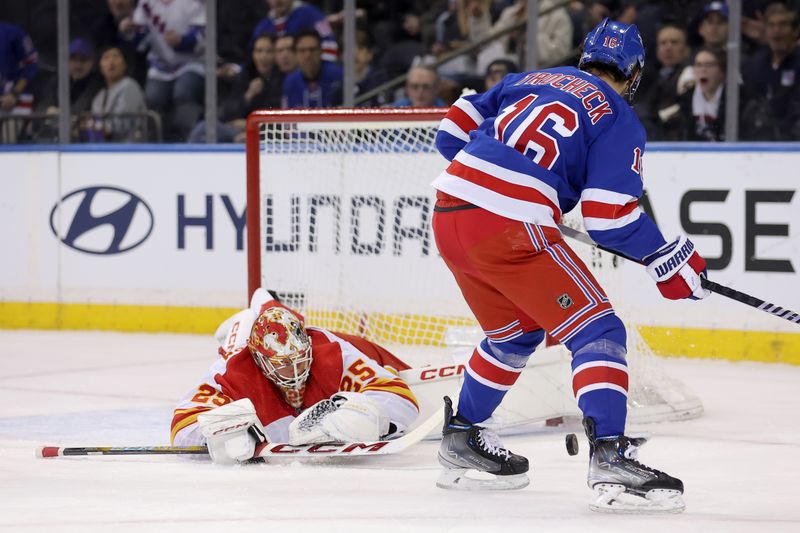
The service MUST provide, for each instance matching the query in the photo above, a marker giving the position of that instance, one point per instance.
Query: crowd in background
(130, 58)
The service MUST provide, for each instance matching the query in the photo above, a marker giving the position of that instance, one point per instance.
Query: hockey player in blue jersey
(290, 17)
(522, 154)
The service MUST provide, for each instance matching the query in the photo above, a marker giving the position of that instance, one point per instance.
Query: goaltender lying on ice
(280, 381)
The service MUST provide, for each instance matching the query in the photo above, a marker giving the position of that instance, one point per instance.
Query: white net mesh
(346, 216)
(345, 237)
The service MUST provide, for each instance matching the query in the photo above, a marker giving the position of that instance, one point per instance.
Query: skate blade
(612, 498)
(466, 479)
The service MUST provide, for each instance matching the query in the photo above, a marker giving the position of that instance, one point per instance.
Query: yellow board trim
(733, 345)
(135, 318)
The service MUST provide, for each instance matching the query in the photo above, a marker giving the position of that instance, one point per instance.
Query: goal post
(253, 139)
(339, 206)
(340, 221)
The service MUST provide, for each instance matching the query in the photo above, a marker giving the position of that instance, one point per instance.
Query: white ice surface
(740, 462)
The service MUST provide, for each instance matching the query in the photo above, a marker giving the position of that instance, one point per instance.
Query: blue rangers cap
(617, 44)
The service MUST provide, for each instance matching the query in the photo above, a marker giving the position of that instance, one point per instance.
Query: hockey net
(339, 207)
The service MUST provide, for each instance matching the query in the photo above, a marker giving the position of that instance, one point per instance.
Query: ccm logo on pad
(101, 220)
(441, 372)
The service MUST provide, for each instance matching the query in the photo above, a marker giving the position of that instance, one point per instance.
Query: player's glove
(344, 417)
(232, 432)
(678, 269)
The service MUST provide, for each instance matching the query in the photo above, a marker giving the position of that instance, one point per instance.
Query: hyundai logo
(101, 220)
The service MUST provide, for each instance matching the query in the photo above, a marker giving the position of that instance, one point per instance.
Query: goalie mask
(282, 349)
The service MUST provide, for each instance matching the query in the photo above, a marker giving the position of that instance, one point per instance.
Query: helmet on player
(281, 348)
(618, 45)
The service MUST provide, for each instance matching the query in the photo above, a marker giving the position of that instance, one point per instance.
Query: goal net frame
(653, 396)
(253, 153)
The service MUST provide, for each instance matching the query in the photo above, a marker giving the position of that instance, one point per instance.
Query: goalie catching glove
(344, 417)
(232, 432)
(678, 270)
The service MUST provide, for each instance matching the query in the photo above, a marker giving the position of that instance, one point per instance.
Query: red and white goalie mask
(281, 348)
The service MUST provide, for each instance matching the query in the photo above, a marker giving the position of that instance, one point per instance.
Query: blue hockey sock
(600, 384)
(491, 371)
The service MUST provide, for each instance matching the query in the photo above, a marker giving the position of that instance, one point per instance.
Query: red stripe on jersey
(330, 48)
(517, 192)
(603, 210)
(490, 372)
(461, 119)
(599, 374)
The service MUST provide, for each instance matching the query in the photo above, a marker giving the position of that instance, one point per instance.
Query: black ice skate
(621, 484)
(469, 449)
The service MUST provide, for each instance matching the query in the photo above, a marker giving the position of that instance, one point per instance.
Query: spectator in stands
(315, 82)
(235, 28)
(258, 86)
(405, 46)
(753, 31)
(368, 76)
(288, 17)
(497, 70)
(422, 89)
(121, 95)
(471, 22)
(19, 62)
(285, 58)
(554, 33)
(84, 80)
(713, 27)
(657, 97)
(771, 77)
(106, 33)
(175, 85)
(702, 108)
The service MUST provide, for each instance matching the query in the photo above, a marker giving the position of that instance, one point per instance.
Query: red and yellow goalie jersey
(340, 363)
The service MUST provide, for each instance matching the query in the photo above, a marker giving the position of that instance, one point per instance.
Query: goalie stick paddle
(275, 449)
(723, 290)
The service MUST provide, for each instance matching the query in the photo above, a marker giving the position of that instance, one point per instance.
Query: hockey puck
(572, 444)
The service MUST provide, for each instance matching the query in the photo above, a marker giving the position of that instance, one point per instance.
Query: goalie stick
(273, 449)
(723, 290)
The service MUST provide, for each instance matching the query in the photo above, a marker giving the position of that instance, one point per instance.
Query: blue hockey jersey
(539, 142)
(18, 58)
(302, 16)
(320, 92)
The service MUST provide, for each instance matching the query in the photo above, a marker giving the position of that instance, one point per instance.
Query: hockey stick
(723, 290)
(55, 451)
(275, 449)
